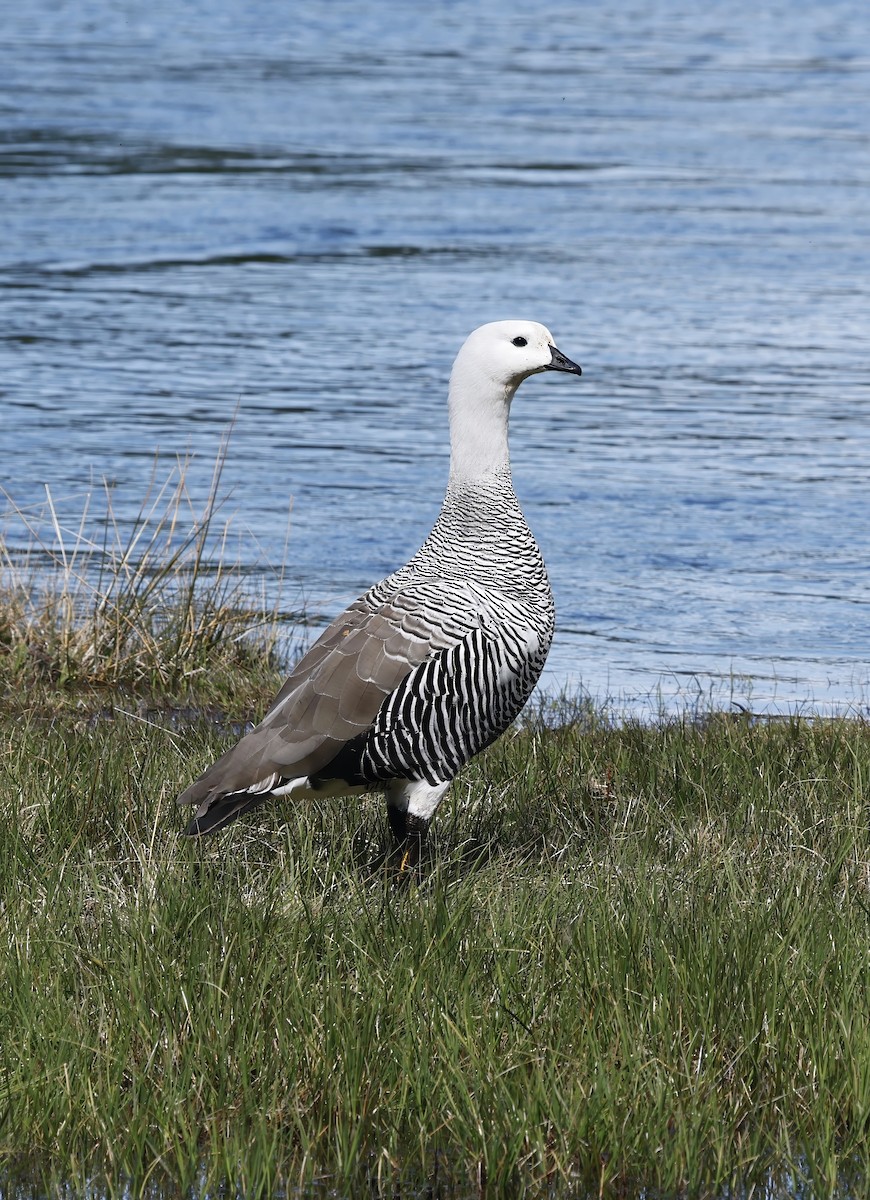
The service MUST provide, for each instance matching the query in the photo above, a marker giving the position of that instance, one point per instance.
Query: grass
(637, 961)
(637, 957)
(158, 605)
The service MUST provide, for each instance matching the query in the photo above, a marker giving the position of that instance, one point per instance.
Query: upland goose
(431, 664)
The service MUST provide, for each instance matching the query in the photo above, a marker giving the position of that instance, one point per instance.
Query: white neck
(479, 409)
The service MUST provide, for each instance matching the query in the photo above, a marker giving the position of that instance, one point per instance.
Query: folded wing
(337, 688)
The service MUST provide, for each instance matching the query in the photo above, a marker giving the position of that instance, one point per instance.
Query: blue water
(303, 210)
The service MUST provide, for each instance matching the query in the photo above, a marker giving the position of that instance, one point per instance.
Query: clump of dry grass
(158, 605)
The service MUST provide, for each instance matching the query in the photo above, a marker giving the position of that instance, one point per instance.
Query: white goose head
(507, 352)
(489, 368)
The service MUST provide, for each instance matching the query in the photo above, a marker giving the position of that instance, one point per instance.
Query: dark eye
(520, 341)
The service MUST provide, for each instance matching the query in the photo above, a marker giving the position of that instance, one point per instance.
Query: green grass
(637, 957)
(635, 962)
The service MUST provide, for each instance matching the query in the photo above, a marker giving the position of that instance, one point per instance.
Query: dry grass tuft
(159, 605)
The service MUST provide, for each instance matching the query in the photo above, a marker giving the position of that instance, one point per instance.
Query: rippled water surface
(303, 209)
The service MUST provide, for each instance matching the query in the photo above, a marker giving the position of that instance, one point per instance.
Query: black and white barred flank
(444, 712)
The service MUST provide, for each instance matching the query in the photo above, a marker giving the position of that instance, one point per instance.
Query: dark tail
(222, 811)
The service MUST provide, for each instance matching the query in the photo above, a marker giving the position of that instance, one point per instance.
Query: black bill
(558, 362)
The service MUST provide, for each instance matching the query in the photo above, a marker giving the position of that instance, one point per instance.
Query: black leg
(415, 836)
(410, 832)
(398, 818)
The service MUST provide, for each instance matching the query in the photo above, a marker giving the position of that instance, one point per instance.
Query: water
(304, 209)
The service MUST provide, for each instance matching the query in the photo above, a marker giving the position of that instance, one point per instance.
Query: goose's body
(431, 664)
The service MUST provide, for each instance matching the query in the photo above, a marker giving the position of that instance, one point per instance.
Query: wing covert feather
(337, 688)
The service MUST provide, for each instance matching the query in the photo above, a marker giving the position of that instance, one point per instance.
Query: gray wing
(446, 709)
(337, 688)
